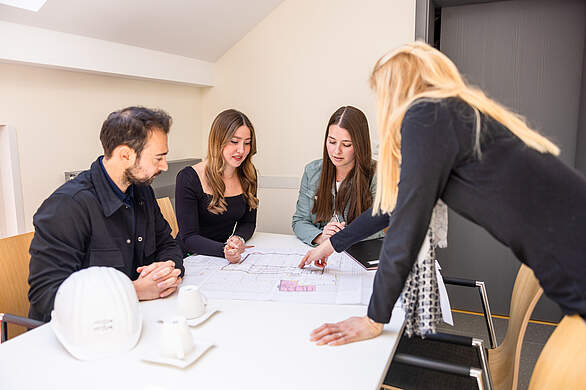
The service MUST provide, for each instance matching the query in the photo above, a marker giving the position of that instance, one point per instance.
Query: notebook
(366, 253)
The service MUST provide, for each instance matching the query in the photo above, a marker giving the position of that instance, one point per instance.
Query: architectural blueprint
(269, 274)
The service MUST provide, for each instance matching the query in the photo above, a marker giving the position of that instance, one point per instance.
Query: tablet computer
(366, 252)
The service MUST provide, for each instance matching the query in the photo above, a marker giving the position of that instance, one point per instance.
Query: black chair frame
(6, 319)
(481, 375)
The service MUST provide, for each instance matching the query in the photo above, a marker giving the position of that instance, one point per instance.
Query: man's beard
(133, 179)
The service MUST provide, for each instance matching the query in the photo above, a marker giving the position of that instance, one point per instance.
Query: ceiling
(201, 29)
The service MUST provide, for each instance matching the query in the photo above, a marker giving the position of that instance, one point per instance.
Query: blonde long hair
(223, 129)
(415, 71)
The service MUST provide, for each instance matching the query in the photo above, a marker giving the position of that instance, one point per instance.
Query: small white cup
(192, 303)
(176, 340)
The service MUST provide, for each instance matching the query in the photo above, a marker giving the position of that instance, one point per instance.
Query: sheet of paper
(444, 298)
(272, 274)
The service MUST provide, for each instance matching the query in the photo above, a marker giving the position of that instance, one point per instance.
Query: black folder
(366, 252)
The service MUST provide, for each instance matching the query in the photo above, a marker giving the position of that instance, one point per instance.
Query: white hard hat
(96, 313)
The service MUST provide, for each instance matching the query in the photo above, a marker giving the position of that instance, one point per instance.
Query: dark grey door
(529, 56)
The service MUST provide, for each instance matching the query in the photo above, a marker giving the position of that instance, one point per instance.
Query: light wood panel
(14, 262)
(504, 360)
(169, 214)
(562, 363)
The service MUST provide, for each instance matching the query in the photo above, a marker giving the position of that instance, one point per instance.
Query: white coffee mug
(176, 340)
(192, 303)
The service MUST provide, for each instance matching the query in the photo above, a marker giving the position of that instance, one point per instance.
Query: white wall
(289, 73)
(58, 115)
(292, 71)
(33, 45)
(11, 205)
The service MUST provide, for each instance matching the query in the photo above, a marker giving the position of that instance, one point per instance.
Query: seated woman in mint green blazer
(339, 187)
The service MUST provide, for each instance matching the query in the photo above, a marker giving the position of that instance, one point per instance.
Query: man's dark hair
(131, 126)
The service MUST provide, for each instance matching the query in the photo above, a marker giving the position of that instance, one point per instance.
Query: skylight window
(31, 5)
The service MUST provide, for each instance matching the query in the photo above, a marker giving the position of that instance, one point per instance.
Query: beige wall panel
(58, 115)
(295, 68)
(277, 206)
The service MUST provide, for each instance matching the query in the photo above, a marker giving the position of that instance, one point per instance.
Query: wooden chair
(14, 262)
(169, 214)
(501, 371)
(562, 362)
(504, 360)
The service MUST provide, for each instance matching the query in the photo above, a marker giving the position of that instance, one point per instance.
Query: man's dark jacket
(83, 224)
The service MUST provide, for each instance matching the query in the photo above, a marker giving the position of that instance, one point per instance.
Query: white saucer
(208, 313)
(152, 355)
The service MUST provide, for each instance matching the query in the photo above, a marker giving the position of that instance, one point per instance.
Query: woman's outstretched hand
(318, 255)
(347, 331)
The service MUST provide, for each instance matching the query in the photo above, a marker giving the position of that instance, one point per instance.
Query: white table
(259, 345)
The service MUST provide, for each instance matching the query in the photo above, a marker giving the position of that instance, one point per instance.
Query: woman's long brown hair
(223, 129)
(354, 191)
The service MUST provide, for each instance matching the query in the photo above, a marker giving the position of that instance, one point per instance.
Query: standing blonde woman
(216, 199)
(443, 139)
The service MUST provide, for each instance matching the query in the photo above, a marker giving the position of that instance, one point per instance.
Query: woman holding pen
(341, 185)
(216, 199)
(441, 138)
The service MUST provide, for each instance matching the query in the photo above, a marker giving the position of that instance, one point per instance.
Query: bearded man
(108, 216)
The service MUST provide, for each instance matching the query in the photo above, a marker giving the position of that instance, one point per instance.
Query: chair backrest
(504, 360)
(562, 362)
(14, 261)
(169, 214)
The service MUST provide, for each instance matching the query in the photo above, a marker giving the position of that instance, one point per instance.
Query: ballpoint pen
(337, 218)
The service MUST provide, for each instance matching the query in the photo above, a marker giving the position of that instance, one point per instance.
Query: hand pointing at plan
(318, 255)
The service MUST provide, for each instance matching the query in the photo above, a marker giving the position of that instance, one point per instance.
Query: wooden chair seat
(14, 263)
(562, 362)
(169, 214)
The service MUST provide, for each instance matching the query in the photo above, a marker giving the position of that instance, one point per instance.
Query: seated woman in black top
(216, 199)
(443, 139)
